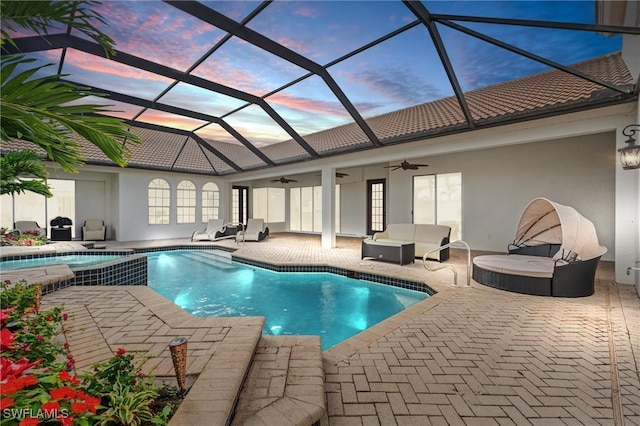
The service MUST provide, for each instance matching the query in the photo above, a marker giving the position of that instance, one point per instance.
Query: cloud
(307, 11)
(93, 64)
(170, 120)
(402, 86)
(158, 32)
(313, 106)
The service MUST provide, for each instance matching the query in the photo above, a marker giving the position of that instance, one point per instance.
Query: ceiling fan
(405, 165)
(284, 180)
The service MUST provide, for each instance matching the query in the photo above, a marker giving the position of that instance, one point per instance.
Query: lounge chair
(29, 225)
(555, 253)
(94, 230)
(255, 231)
(215, 229)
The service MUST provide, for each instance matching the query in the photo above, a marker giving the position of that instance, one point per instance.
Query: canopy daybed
(555, 253)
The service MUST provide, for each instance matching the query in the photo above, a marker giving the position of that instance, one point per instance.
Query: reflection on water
(332, 306)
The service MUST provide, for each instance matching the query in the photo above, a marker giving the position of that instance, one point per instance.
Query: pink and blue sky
(400, 72)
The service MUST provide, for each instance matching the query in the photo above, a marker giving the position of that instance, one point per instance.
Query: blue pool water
(335, 307)
(73, 260)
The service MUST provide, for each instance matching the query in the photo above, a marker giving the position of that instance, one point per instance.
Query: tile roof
(544, 93)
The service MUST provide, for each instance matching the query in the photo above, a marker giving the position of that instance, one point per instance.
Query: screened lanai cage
(220, 88)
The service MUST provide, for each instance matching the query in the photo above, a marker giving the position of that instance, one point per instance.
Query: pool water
(206, 283)
(73, 260)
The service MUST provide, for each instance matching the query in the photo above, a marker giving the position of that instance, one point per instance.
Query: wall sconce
(630, 154)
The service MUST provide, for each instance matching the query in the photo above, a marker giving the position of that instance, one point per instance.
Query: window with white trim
(210, 202)
(159, 201)
(269, 204)
(305, 209)
(186, 202)
(437, 199)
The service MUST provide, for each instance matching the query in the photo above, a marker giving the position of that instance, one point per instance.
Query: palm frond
(22, 171)
(46, 112)
(41, 16)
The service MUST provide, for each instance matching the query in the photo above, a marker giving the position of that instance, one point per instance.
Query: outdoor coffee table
(397, 252)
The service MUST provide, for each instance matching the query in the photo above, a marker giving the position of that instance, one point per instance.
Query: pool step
(285, 384)
(219, 259)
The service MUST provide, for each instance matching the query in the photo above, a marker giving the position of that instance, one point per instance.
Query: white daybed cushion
(517, 264)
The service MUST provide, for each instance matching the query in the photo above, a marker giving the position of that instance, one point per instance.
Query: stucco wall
(499, 182)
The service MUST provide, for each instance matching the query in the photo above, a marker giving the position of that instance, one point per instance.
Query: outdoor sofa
(425, 237)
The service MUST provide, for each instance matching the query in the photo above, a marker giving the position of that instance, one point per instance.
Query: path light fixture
(630, 154)
(178, 349)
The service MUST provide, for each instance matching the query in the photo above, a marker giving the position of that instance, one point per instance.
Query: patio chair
(255, 231)
(29, 225)
(215, 229)
(94, 230)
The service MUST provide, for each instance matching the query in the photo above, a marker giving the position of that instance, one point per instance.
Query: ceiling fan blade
(291, 180)
(396, 168)
(420, 165)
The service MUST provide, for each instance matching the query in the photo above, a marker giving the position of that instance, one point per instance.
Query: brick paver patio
(466, 356)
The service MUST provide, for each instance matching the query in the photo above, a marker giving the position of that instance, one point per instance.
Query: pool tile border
(133, 269)
(381, 279)
(128, 270)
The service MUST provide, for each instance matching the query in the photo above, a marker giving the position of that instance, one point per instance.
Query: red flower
(14, 369)
(29, 421)
(10, 387)
(6, 339)
(65, 316)
(92, 402)
(79, 407)
(51, 406)
(70, 364)
(40, 338)
(6, 403)
(65, 376)
(64, 392)
(120, 352)
(4, 315)
(49, 318)
(29, 380)
(66, 421)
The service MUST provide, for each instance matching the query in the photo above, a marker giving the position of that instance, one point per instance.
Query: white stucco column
(627, 226)
(328, 207)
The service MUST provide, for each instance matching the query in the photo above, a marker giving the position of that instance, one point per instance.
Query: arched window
(186, 202)
(210, 201)
(159, 200)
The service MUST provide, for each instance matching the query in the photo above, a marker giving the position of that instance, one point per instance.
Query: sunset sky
(400, 72)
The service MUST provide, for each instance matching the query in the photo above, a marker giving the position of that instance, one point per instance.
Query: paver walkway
(475, 355)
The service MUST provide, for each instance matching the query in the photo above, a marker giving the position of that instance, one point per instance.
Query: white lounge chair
(215, 228)
(29, 225)
(255, 231)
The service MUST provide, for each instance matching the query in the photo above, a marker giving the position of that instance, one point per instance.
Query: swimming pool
(72, 260)
(206, 283)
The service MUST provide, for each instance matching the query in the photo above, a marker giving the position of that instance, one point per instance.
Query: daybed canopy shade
(546, 222)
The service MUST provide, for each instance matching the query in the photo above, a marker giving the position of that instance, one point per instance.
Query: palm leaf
(22, 171)
(41, 16)
(46, 112)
